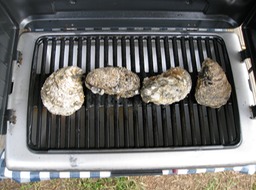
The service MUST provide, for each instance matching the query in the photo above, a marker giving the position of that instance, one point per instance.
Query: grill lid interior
(107, 123)
(8, 35)
(249, 32)
(63, 14)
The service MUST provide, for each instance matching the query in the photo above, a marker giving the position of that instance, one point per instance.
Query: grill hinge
(19, 58)
(244, 54)
(253, 109)
(10, 115)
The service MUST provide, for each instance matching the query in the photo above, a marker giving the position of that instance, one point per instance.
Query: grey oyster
(62, 92)
(113, 81)
(167, 88)
(212, 89)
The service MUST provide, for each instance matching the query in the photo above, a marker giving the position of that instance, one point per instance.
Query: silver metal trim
(19, 157)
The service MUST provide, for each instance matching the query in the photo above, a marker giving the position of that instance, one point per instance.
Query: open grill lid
(8, 34)
(81, 14)
(249, 34)
(77, 14)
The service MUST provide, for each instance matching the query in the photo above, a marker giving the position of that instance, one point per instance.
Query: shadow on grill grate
(107, 123)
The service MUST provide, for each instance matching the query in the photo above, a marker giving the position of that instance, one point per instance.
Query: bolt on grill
(105, 122)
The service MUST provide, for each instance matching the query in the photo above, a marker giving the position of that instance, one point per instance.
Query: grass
(209, 181)
(212, 185)
(215, 184)
(254, 186)
(122, 183)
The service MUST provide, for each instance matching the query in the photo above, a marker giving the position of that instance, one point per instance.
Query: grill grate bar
(49, 130)
(164, 108)
(176, 129)
(206, 111)
(88, 97)
(125, 107)
(150, 109)
(144, 107)
(96, 98)
(68, 131)
(107, 99)
(79, 52)
(70, 54)
(58, 118)
(78, 114)
(154, 114)
(162, 111)
(135, 107)
(62, 52)
(105, 122)
(186, 125)
(167, 53)
(232, 132)
(41, 81)
(31, 109)
(116, 110)
(197, 135)
(219, 113)
(206, 132)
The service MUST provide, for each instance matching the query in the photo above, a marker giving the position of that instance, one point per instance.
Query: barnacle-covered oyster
(167, 88)
(62, 92)
(212, 89)
(113, 81)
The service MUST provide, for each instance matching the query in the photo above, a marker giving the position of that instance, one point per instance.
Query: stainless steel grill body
(154, 139)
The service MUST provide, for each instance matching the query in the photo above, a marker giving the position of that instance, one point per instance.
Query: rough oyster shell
(62, 92)
(168, 87)
(212, 89)
(113, 81)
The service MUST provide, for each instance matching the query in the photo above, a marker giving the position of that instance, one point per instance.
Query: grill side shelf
(105, 123)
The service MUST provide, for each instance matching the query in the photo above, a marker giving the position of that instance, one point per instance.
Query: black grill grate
(107, 123)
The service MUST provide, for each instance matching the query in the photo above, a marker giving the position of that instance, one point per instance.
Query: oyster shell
(167, 88)
(212, 89)
(62, 92)
(113, 81)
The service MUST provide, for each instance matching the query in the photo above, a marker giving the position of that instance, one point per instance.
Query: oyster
(212, 89)
(62, 92)
(168, 87)
(113, 81)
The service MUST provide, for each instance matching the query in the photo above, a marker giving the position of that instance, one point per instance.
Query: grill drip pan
(106, 123)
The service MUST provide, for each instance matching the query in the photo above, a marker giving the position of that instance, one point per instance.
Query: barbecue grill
(125, 135)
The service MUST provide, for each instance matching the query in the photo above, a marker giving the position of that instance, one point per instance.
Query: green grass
(212, 185)
(122, 183)
(254, 186)
(216, 184)
(211, 181)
